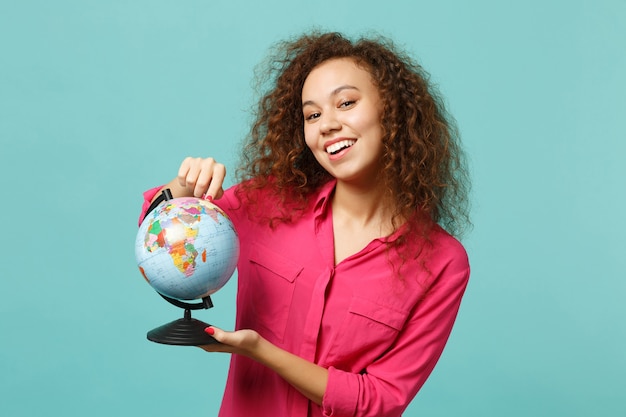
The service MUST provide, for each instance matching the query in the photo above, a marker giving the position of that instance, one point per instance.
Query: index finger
(215, 190)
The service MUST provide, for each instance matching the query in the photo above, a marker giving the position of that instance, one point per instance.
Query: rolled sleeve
(342, 393)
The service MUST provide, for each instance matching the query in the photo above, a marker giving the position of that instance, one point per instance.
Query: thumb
(214, 332)
(218, 335)
(240, 341)
(222, 336)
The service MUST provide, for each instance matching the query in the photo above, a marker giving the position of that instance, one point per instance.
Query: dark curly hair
(424, 168)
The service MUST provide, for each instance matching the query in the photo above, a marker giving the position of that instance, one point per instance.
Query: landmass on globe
(187, 248)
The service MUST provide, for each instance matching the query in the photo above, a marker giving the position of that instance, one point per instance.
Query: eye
(347, 103)
(311, 116)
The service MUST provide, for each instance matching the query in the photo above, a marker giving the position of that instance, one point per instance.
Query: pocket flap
(275, 263)
(379, 313)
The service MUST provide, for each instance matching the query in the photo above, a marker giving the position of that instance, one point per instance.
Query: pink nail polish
(209, 330)
(208, 198)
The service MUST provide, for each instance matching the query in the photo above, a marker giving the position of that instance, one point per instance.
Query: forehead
(337, 72)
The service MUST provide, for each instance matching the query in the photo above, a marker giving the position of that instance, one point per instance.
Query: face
(342, 113)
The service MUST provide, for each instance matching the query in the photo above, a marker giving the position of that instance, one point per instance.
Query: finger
(195, 170)
(183, 170)
(220, 336)
(216, 347)
(205, 177)
(215, 332)
(215, 189)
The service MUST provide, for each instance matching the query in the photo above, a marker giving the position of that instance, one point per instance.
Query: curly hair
(424, 166)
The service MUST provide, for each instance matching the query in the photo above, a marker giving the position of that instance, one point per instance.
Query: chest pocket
(367, 331)
(270, 292)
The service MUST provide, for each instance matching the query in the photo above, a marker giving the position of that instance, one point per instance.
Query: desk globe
(186, 249)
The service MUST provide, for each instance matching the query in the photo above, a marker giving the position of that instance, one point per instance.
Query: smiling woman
(348, 284)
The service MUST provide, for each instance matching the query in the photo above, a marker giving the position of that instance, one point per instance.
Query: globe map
(187, 248)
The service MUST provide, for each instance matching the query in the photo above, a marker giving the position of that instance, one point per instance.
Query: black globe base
(182, 332)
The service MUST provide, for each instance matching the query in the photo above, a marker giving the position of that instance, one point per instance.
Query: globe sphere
(187, 248)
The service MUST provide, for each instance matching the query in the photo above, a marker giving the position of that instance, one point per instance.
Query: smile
(339, 146)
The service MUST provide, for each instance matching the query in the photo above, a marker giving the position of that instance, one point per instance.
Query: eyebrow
(332, 93)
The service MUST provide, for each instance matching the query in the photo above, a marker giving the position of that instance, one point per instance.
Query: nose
(329, 123)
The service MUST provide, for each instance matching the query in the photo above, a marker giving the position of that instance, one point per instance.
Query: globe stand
(186, 331)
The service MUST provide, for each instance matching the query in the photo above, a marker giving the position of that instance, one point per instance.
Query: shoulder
(249, 202)
(446, 245)
(437, 256)
(447, 258)
(264, 201)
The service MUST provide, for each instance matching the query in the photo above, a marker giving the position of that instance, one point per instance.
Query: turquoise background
(100, 100)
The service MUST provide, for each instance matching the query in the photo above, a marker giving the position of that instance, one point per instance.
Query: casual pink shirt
(378, 333)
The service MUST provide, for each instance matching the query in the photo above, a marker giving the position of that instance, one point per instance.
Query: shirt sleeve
(148, 196)
(386, 387)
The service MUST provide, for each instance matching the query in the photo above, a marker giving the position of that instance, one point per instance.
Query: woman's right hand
(199, 177)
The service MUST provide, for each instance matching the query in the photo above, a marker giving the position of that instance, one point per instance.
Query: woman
(349, 278)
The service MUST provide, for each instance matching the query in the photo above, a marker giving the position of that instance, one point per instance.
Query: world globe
(187, 248)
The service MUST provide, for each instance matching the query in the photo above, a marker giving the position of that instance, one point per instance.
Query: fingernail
(209, 330)
(208, 198)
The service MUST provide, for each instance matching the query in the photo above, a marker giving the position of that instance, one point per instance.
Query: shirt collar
(323, 200)
(323, 197)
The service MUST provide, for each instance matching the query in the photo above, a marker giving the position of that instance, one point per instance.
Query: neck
(362, 206)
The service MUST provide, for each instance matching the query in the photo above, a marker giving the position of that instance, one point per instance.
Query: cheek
(309, 137)
(373, 126)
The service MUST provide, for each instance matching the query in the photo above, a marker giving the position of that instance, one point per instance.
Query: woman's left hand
(242, 342)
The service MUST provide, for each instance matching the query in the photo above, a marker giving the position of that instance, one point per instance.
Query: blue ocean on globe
(187, 248)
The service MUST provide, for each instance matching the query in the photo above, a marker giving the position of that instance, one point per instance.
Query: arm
(307, 377)
(382, 385)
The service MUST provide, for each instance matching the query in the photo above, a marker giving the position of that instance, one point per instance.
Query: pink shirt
(378, 334)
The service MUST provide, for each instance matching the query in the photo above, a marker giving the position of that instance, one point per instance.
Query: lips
(340, 145)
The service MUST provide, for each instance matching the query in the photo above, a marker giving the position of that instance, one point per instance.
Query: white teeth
(337, 146)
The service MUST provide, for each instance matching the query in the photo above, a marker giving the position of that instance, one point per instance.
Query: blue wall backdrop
(100, 100)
